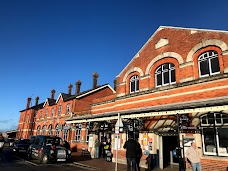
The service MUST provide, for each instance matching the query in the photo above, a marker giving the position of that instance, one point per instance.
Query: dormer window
(134, 84)
(208, 64)
(165, 75)
(68, 109)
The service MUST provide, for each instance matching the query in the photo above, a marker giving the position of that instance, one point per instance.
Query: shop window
(215, 134)
(78, 132)
(208, 64)
(134, 84)
(165, 75)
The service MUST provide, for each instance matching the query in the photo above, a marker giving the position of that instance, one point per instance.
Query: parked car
(21, 145)
(48, 149)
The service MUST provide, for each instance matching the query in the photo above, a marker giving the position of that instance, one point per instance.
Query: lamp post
(118, 129)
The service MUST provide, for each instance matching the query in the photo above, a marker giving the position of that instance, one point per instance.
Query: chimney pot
(28, 102)
(37, 99)
(95, 76)
(52, 94)
(70, 89)
(78, 87)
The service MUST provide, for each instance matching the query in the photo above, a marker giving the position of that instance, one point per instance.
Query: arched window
(78, 132)
(68, 109)
(165, 75)
(38, 130)
(46, 113)
(44, 130)
(52, 112)
(134, 83)
(50, 130)
(65, 132)
(215, 134)
(208, 63)
(57, 130)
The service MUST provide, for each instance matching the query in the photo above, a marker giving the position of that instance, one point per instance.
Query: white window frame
(38, 130)
(205, 56)
(65, 133)
(50, 130)
(44, 130)
(68, 109)
(57, 131)
(162, 72)
(78, 131)
(134, 80)
(59, 110)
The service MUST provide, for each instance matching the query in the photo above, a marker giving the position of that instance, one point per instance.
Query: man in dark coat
(132, 150)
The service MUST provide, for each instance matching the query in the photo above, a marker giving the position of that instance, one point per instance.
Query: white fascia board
(60, 96)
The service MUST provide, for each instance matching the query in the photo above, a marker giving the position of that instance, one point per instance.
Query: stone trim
(133, 69)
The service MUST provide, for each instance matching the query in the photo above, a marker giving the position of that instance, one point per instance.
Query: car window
(58, 141)
(49, 141)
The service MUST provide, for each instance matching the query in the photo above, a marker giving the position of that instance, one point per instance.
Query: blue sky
(48, 44)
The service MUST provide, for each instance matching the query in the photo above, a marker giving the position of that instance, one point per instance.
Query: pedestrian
(132, 149)
(193, 155)
(97, 148)
(138, 158)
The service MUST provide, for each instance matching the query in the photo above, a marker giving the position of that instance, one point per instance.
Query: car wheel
(45, 158)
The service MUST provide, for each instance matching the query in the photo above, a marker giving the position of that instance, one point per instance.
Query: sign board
(119, 125)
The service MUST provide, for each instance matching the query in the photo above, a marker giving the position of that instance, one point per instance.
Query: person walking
(132, 149)
(138, 158)
(193, 155)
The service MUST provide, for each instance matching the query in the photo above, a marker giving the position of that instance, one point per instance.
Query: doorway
(169, 146)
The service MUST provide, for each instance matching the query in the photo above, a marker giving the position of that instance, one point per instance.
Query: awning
(113, 116)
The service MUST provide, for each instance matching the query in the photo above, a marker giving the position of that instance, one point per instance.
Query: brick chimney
(70, 89)
(52, 94)
(78, 86)
(95, 76)
(28, 102)
(37, 99)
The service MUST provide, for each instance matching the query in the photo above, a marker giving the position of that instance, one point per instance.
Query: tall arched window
(50, 130)
(165, 75)
(59, 110)
(65, 131)
(134, 83)
(78, 132)
(44, 130)
(57, 129)
(38, 130)
(208, 63)
(215, 134)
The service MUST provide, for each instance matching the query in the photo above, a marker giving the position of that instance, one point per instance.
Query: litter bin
(150, 162)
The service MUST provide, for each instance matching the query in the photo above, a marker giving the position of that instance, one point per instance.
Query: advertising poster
(145, 139)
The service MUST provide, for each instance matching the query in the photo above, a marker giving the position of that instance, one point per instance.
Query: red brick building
(178, 73)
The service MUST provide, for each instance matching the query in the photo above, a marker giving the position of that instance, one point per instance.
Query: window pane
(165, 66)
(218, 119)
(173, 78)
(225, 119)
(209, 140)
(204, 68)
(159, 79)
(204, 120)
(223, 140)
(132, 87)
(166, 77)
(210, 118)
(214, 65)
(137, 85)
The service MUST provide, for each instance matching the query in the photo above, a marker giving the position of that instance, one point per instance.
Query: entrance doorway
(169, 146)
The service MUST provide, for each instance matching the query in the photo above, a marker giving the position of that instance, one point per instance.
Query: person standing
(193, 155)
(97, 146)
(132, 149)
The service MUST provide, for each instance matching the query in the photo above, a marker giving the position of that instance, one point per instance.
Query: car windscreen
(49, 141)
(25, 141)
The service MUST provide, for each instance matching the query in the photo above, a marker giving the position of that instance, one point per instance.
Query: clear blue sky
(48, 44)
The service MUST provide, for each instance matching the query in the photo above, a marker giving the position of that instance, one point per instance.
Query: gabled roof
(39, 106)
(64, 97)
(50, 102)
(170, 27)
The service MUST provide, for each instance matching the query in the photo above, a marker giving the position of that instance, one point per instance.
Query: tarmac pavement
(102, 165)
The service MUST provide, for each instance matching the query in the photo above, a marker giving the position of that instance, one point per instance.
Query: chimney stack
(95, 76)
(114, 84)
(28, 102)
(52, 94)
(37, 99)
(78, 86)
(70, 89)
